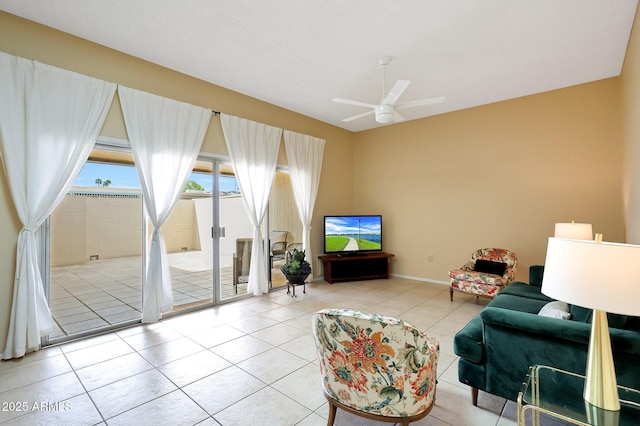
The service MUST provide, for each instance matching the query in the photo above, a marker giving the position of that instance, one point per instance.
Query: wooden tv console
(355, 267)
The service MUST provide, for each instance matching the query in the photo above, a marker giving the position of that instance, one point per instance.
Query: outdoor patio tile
(116, 309)
(122, 317)
(63, 321)
(65, 312)
(78, 327)
(96, 306)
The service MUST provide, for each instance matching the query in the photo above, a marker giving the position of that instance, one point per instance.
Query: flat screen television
(350, 234)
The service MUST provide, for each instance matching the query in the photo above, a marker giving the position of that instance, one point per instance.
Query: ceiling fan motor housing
(384, 113)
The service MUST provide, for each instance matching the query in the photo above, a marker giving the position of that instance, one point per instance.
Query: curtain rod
(215, 112)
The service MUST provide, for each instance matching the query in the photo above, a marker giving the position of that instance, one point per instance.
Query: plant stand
(293, 286)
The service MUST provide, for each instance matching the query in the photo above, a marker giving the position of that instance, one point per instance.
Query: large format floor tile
(248, 362)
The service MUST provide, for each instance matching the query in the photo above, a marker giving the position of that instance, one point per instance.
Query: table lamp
(574, 231)
(603, 277)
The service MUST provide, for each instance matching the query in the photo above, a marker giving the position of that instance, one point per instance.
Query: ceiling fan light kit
(384, 114)
(385, 111)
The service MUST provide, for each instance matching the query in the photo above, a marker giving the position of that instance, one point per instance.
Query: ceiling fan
(386, 111)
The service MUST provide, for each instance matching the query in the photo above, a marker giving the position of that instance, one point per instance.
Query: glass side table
(557, 393)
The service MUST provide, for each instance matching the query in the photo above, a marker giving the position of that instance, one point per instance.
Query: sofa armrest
(524, 322)
(514, 341)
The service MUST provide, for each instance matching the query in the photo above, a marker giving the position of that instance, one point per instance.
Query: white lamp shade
(594, 275)
(574, 231)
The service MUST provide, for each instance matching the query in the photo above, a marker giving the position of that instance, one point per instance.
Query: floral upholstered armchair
(374, 366)
(488, 272)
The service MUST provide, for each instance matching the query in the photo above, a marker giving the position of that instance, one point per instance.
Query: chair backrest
(278, 236)
(243, 255)
(498, 255)
(375, 364)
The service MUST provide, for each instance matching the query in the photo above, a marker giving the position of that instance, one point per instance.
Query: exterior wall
(237, 225)
(83, 226)
(180, 230)
(68, 244)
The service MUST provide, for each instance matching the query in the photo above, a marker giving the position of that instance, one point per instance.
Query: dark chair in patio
(241, 262)
(278, 241)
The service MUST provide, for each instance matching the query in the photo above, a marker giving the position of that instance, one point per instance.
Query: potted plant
(296, 268)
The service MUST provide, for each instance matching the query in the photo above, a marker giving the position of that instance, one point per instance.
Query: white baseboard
(407, 277)
(427, 280)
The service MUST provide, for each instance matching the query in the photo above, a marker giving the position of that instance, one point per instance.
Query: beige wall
(29, 40)
(630, 83)
(497, 175)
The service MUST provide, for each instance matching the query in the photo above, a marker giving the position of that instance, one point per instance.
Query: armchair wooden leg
(332, 414)
(474, 396)
(451, 294)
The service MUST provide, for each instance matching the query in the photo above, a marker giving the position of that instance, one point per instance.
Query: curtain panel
(253, 148)
(304, 155)
(166, 137)
(49, 121)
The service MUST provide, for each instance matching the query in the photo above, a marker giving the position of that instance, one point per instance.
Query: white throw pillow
(555, 309)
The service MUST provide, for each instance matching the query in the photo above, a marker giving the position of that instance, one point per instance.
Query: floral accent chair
(376, 367)
(486, 274)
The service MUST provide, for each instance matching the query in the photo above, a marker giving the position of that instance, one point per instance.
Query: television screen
(352, 234)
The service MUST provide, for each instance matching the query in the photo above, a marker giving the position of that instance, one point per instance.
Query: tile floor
(251, 362)
(108, 292)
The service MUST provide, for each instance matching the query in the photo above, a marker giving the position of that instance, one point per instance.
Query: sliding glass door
(95, 250)
(98, 236)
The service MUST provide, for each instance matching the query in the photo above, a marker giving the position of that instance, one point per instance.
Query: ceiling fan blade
(395, 92)
(350, 102)
(355, 117)
(397, 117)
(421, 102)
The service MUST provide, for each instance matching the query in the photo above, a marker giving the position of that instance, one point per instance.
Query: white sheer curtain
(304, 156)
(253, 148)
(49, 121)
(165, 137)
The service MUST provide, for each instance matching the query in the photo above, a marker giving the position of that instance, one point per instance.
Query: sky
(337, 225)
(127, 177)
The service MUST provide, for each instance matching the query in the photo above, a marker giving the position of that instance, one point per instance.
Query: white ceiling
(299, 54)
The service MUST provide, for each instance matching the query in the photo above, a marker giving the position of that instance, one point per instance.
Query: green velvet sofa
(498, 346)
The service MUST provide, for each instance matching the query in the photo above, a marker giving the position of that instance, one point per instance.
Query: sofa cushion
(525, 290)
(468, 341)
(490, 267)
(536, 272)
(555, 309)
(517, 303)
(578, 313)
